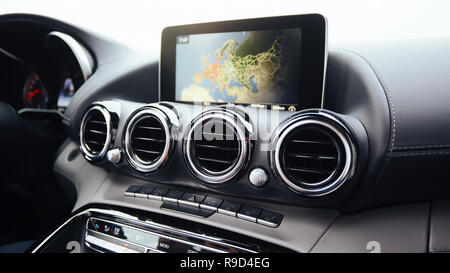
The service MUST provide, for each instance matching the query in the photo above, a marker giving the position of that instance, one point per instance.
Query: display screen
(245, 67)
(66, 93)
(272, 62)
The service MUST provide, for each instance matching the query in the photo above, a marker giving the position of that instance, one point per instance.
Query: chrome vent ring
(216, 146)
(95, 133)
(148, 141)
(313, 155)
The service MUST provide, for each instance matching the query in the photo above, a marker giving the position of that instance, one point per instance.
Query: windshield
(139, 23)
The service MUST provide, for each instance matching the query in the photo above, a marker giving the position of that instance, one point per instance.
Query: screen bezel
(313, 52)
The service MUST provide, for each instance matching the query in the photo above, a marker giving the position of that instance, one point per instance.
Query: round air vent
(95, 133)
(313, 155)
(216, 146)
(147, 139)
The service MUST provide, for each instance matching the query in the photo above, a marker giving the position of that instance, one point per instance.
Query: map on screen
(239, 67)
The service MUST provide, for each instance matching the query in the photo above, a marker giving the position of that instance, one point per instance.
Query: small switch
(114, 155)
(270, 218)
(158, 193)
(211, 203)
(132, 190)
(172, 196)
(258, 177)
(229, 208)
(191, 199)
(249, 213)
(144, 192)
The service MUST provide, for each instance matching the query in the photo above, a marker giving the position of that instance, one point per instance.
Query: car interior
(242, 136)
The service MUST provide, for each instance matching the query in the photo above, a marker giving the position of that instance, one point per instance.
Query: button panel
(249, 213)
(191, 199)
(205, 206)
(143, 192)
(211, 203)
(131, 239)
(229, 208)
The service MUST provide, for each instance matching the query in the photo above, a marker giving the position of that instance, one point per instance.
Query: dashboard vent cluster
(147, 139)
(216, 146)
(95, 132)
(313, 156)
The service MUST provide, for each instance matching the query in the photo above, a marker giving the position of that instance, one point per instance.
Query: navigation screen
(247, 67)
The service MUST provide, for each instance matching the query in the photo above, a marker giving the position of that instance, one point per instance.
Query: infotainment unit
(274, 62)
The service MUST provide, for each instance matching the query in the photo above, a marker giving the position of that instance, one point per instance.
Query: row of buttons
(257, 215)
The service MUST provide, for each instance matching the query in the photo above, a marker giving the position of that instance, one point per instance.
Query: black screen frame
(313, 52)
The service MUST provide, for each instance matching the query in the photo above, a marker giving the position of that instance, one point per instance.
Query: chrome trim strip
(85, 151)
(342, 133)
(150, 224)
(79, 52)
(149, 232)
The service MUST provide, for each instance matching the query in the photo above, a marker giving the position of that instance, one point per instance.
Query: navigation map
(239, 67)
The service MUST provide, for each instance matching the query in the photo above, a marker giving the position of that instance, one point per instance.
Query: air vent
(95, 133)
(313, 155)
(216, 146)
(148, 140)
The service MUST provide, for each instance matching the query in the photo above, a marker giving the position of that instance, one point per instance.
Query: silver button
(114, 155)
(258, 177)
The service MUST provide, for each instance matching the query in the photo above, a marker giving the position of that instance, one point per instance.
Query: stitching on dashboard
(421, 153)
(388, 94)
(393, 120)
(422, 147)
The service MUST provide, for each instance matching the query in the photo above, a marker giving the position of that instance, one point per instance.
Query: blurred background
(138, 23)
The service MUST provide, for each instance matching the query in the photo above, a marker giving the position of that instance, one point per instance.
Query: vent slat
(312, 156)
(217, 147)
(97, 122)
(149, 139)
(149, 128)
(147, 151)
(96, 132)
(229, 162)
(305, 141)
(304, 170)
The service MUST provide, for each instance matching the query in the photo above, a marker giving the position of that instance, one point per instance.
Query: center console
(120, 230)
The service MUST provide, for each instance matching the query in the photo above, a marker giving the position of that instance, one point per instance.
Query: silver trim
(266, 223)
(148, 232)
(227, 212)
(325, 62)
(150, 224)
(78, 51)
(331, 183)
(234, 120)
(84, 148)
(246, 217)
(136, 162)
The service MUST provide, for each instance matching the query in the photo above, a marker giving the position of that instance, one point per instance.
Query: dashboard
(245, 136)
(46, 82)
